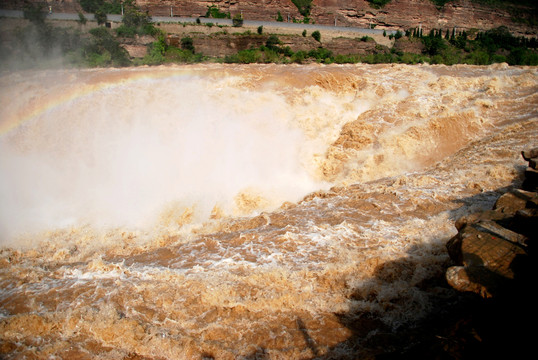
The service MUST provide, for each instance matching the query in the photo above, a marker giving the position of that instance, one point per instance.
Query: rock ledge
(495, 251)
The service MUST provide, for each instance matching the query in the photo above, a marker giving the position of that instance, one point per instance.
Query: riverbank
(84, 42)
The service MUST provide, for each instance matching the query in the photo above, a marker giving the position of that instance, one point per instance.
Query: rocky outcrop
(495, 251)
(397, 14)
(220, 45)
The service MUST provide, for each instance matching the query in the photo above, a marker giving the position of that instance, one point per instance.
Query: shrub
(478, 57)
(270, 56)
(176, 55)
(125, 31)
(377, 4)
(272, 42)
(304, 6)
(304, 33)
(244, 57)
(108, 7)
(187, 44)
(433, 45)
(82, 19)
(320, 54)
(35, 13)
(346, 59)
(316, 35)
(105, 50)
(100, 17)
(214, 12)
(299, 57)
(260, 29)
(156, 52)
(279, 17)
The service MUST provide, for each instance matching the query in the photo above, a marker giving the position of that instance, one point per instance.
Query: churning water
(241, 211)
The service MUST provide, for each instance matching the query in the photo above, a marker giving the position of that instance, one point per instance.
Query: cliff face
(398, 14)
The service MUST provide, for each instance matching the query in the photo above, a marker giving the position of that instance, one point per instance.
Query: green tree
(105, 50)
(272, 42)
(433, 45)
(187, 44)
(214, 12)
(107, 6)
(304, 6)
(316, 35)
(82, 19)
(35, 13)
(279, 17)
(260, 29)
(100, 17)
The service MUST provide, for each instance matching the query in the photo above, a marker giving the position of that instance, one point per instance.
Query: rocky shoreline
(495, 250)
(493, 269)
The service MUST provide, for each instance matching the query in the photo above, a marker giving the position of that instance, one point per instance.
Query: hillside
(519, 16)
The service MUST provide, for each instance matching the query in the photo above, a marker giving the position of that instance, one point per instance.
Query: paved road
(253, 23)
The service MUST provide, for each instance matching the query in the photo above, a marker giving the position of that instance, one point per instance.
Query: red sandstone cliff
(403, 14)
(398, 14)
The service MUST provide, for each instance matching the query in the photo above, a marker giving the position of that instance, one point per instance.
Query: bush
(316, 35)
(377, 4)
(433, 45)
(299, 57)
(304, 6)
(272, 42)
(134, 18)
(245, 57)
(320, 54)
(156, 52)
(260, 29)
(176, 55)
(214, 12)
(346, 59)
(478, 57)
(105, 50)
(82, 19)
(35, 13)
(108, 7)
(125, 31)
(100, 17)
(187, 44)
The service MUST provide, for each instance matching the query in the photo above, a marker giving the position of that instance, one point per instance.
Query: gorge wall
(397, 14)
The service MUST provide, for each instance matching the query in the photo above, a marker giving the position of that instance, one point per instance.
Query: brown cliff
(397, 14)
(401, 14)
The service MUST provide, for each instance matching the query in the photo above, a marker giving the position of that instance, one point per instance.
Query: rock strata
(494, 251)
(397, 14)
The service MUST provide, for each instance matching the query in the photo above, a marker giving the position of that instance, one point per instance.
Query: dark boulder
(494, 250)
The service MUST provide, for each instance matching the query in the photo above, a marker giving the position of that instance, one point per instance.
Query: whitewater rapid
(259, 211)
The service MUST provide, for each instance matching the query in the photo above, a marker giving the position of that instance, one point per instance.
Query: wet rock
(495, 250)
(530, 154)
(511, 202)
(485, 260)
(477, 279)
